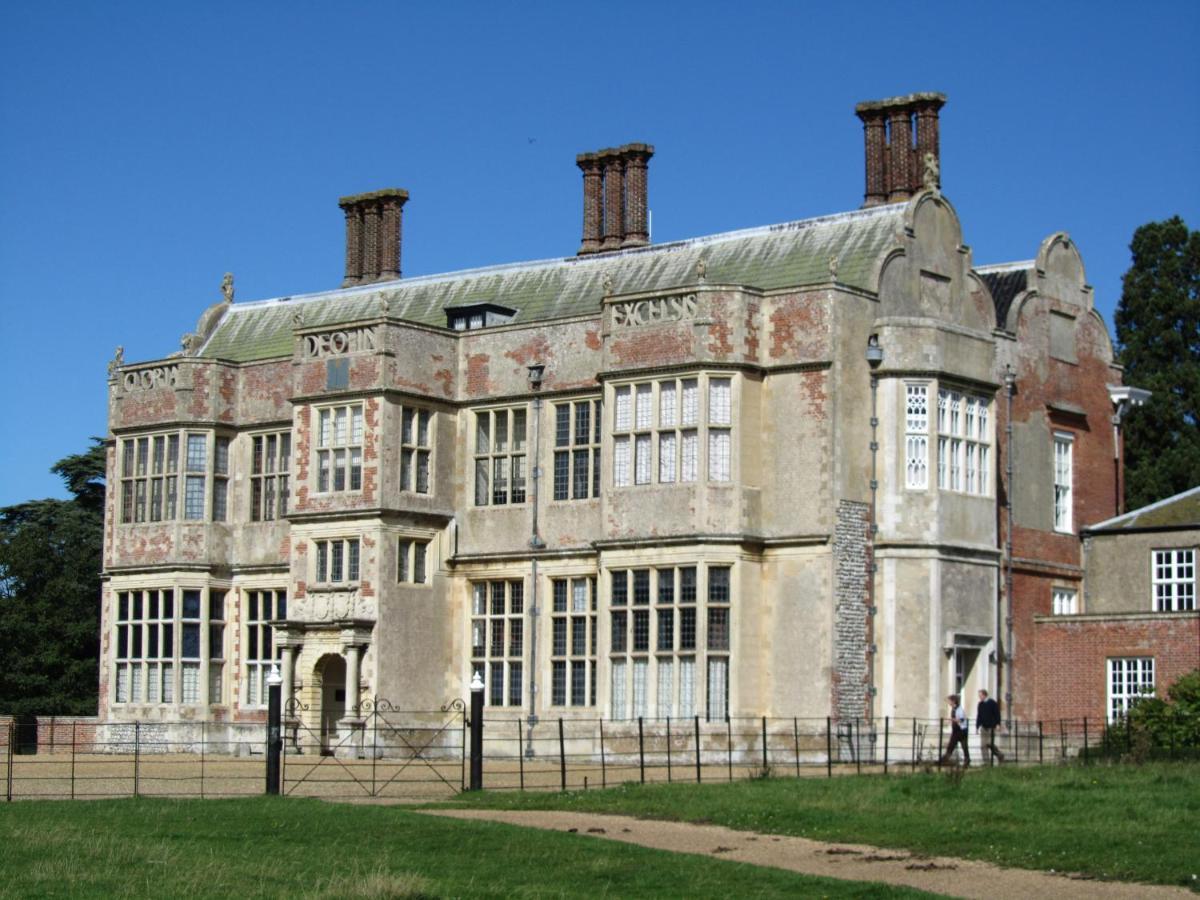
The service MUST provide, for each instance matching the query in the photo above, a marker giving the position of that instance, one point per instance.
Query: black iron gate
(380, 750)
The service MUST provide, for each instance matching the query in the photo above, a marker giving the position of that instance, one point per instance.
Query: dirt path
(856, 862)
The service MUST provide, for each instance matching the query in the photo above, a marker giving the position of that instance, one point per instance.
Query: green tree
(50, 559)
(1158, 338)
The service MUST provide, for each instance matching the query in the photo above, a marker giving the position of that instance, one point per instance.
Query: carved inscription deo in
(635, 313)
(149, 379)
(339, 343)
(332, 606)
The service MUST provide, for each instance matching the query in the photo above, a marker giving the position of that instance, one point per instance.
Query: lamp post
(274, 731)
(476, 732)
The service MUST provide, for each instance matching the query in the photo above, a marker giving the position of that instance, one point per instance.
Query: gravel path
(856, 862)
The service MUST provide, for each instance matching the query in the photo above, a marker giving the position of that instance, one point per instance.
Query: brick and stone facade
(697, 507)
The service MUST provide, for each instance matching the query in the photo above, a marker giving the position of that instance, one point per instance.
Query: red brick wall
(1070, 657)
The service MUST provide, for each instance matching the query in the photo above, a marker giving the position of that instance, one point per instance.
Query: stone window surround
(324, 556)
(965, 432)
(512, 460)
(210, 686)
(566, 658)
(269, 485)
(916, 435)
(701, 654)
(152, 481)
(640, 445)
(256, 666)
(416, 448)
(510, 654)
(413, 559)
(336, 459)
(569, 453)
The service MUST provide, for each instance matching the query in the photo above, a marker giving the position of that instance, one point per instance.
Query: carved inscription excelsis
(332, 606)
(149, 379)
(338, 343)
(634, 313)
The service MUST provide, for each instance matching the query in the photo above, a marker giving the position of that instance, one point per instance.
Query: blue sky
(146, 149)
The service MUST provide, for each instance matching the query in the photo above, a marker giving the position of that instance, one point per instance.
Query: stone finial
(190, 343)
(385, 305)
(298, 319)
(227, 287)
(608, 284)
(701, 269)
(932, 175)
(833, 267)
(117, 361)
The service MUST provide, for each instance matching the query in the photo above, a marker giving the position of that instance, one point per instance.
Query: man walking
(987, 720)
(958, 731)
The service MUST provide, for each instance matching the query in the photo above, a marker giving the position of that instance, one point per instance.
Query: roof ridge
(992, 268)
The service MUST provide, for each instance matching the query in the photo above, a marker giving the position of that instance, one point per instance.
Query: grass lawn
(267, 847)
(1136, 823)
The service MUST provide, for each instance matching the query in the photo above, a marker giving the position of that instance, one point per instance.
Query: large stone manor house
(764, 472)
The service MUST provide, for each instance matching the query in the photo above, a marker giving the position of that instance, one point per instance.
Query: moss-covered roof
(776, 256)
(1174, 512)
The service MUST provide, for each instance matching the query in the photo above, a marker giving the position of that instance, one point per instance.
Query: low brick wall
(59, 734)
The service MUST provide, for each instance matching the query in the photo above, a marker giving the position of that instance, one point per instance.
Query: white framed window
(1129, 679)
(1174, 579)
(573, 642)
(577, 450)
(1063, 480)
(658, 430)
(270, 465)
(416, 449)
(262, 608)
(339, 448)
(1064, 601)
(659, 630)
(964, 443)
(500, 456)
(159, 654)
(337, 561)
(498, 639)
(916, 436)
(412, 561)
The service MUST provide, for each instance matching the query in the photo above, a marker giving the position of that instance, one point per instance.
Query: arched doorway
(330, 674)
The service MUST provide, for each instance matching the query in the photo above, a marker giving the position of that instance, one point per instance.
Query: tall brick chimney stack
(615, 202)
(895, 167)
(373, 232)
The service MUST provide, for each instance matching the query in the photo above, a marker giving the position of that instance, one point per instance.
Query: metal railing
(389, 753)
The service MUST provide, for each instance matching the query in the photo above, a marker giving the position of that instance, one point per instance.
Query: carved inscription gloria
(149, 379)
(338, 343)
(332, 607)
(634, 313)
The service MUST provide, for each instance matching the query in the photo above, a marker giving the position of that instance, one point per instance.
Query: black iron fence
(385, 752)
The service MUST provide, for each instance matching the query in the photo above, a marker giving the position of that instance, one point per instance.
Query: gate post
(9, 780)
(476, 733)
(274, 729)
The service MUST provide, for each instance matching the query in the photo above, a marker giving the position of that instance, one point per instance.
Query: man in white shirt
(958, 731)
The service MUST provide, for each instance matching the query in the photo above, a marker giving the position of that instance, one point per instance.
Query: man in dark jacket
(987, 720)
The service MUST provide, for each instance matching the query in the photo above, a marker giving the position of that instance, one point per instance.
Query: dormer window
(478, 315)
